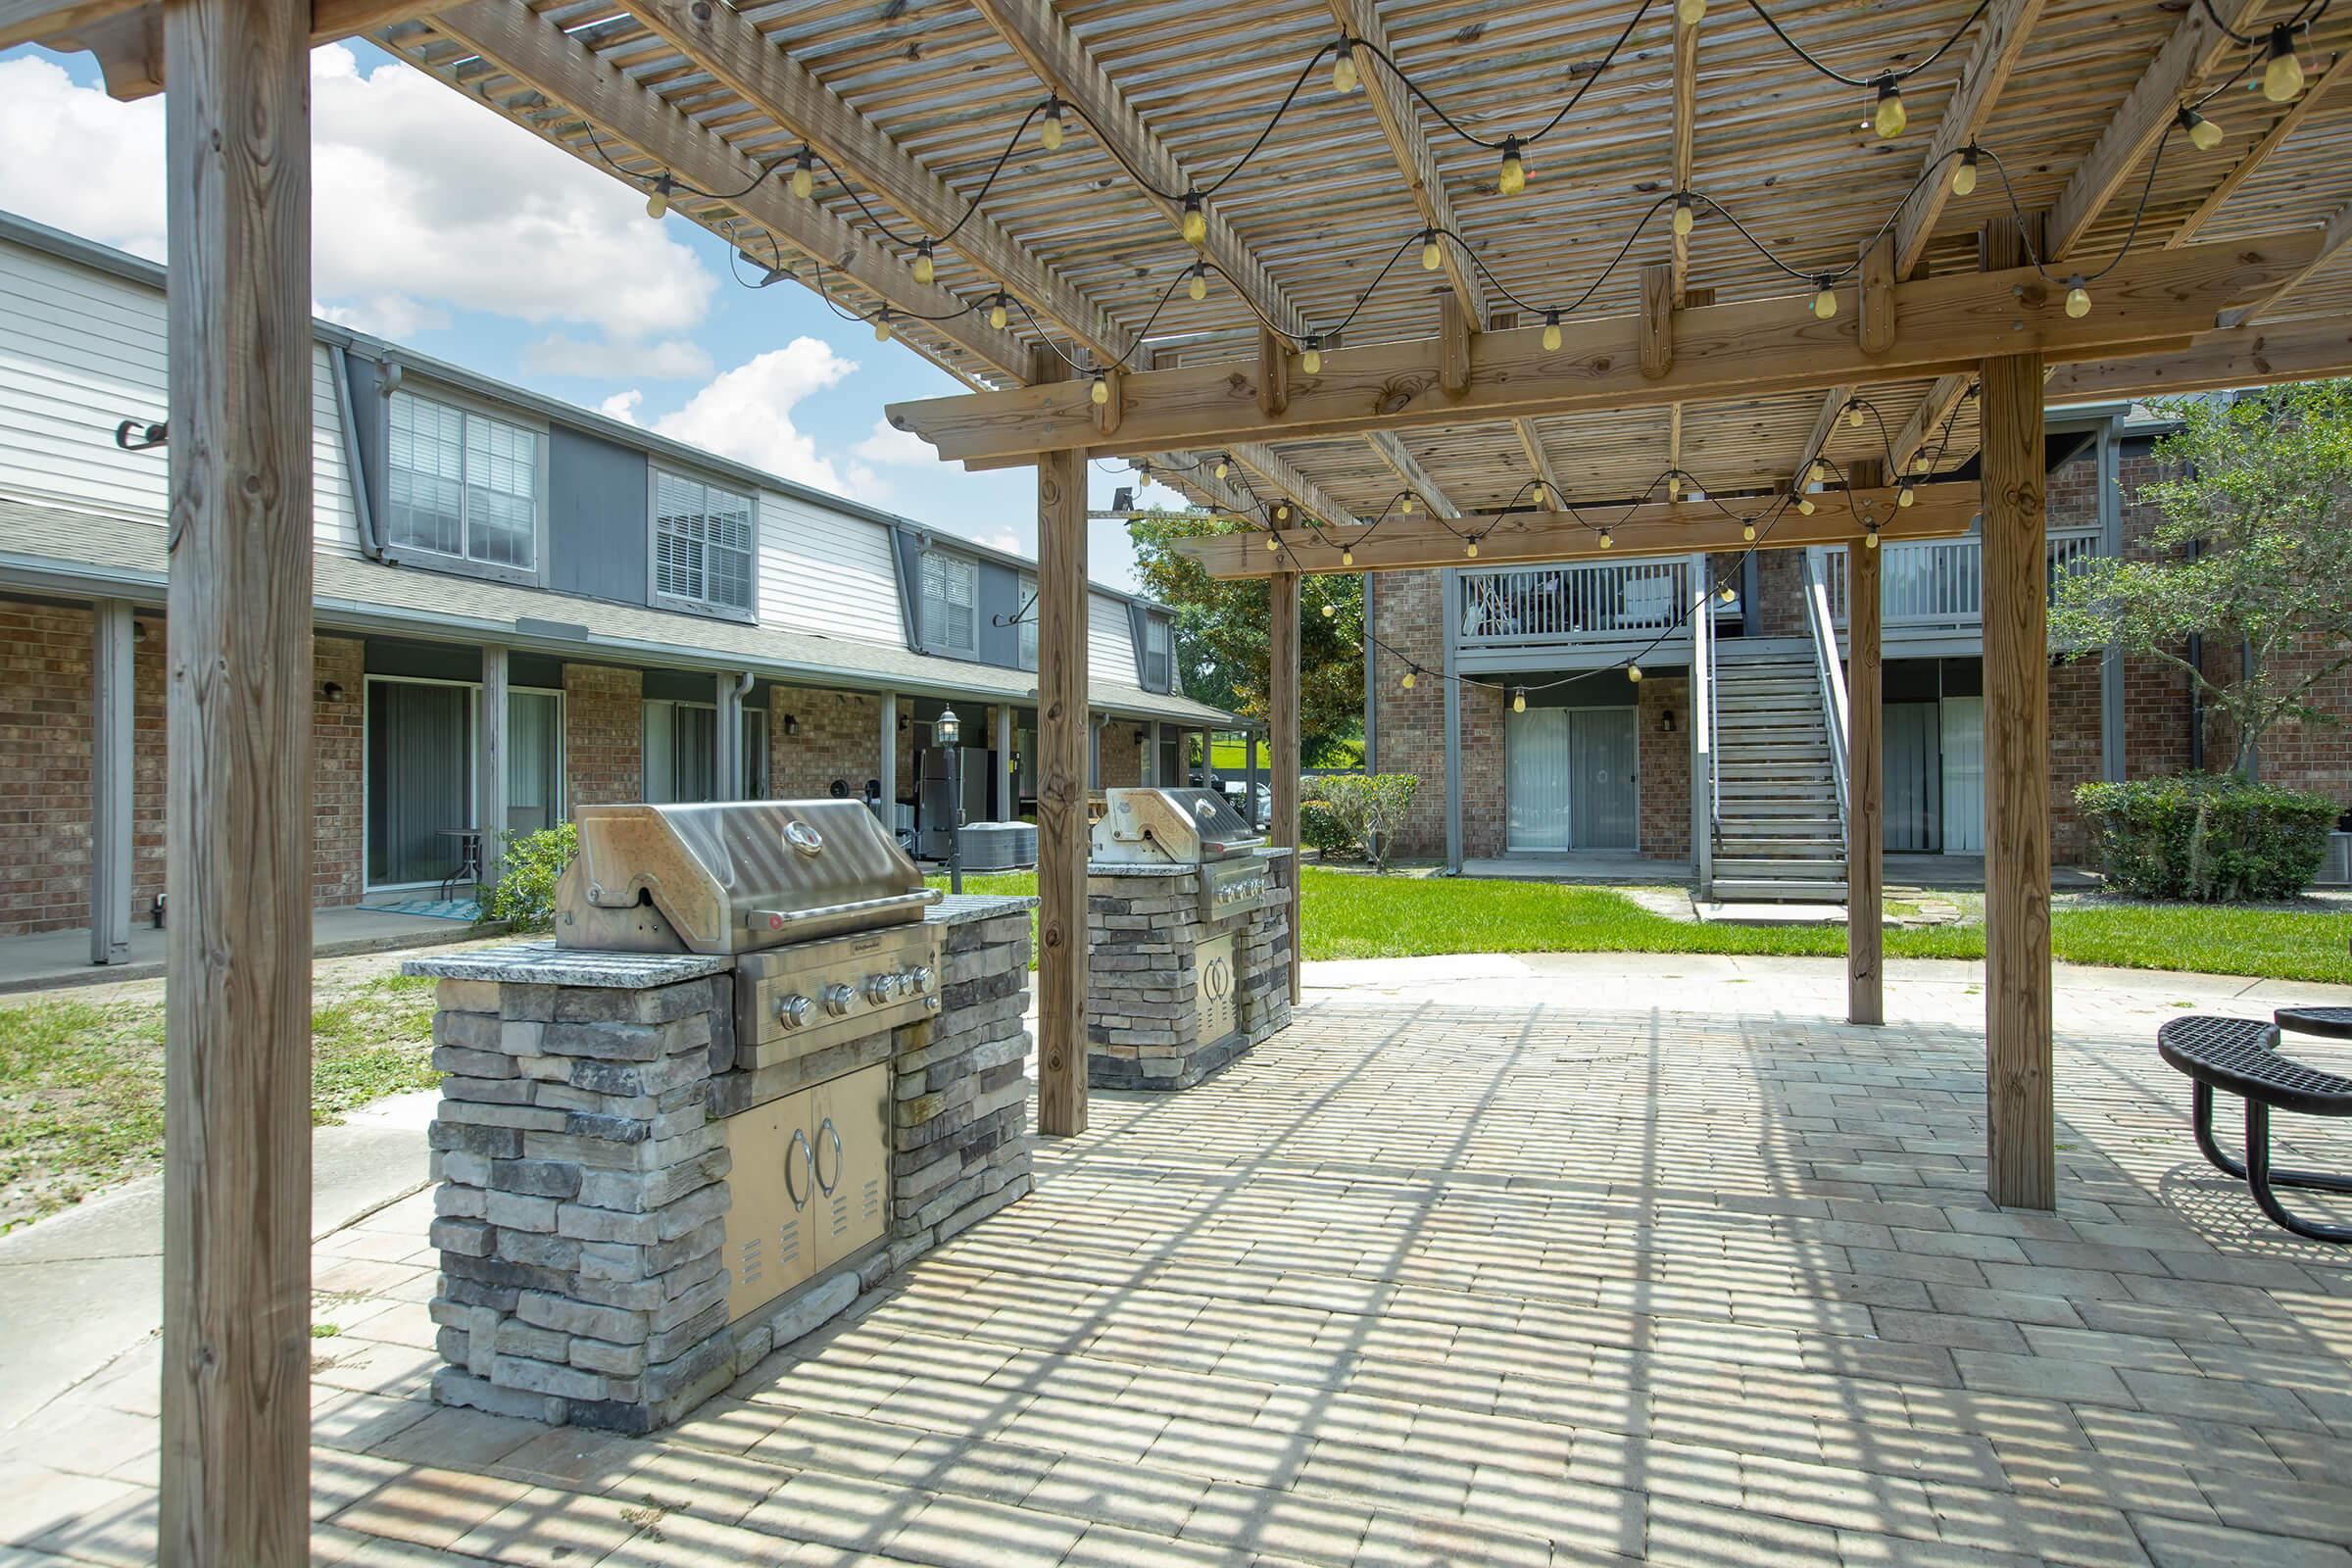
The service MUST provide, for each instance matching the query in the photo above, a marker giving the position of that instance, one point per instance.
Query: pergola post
(2020, 1136)
(1865, 777)
(886, 764)
(1282, 685)
(236, 1348)
(1062, 772)
(490, 761)
(110, 769)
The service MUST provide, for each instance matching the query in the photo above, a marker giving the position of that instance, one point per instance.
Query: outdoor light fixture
(333, 691)
(1964, 173)
(1406, 506)
(1222, 469)
(2282, 72)
(1194, 224)
(882, 325)
(1408, 683)
(997, 311)
(2203, 134)
(1342, 69)
(1330, 611)
(1605, 540)
(1519, 700)
(926, 270)
(947, 730)
(657, 198)
(792, 725)
(1311, 357)
(1511, 178)
(1197, 287)
(2078, 297)
(1854, 415)
(1890, 118)
(1870, 537)
(1825, 299)
(1470, 551)
(1632, 672)
(804, 174)
(1099, 392)
(1666, 721)
(1552, 331)
(1684, 215)
(1804, 505)
(1050, 130)
(1432, 258)
(1903, 496)
(1346, 558)
(1748, 532)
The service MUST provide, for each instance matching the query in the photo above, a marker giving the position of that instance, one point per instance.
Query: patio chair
(2241, 1056)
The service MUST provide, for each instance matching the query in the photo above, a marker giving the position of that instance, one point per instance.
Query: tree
(1223, 641)
(2254, 548)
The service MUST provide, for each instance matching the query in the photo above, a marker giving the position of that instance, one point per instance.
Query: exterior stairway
(1778, 836)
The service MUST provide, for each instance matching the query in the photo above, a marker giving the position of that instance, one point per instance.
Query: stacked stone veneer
(583, 1166)
(1143, 989)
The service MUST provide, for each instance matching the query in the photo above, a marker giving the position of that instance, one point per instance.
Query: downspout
(362, 508)
(1371, 686)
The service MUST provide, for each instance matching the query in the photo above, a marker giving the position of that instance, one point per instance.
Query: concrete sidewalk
(48, 958)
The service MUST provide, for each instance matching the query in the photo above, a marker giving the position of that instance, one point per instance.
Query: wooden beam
(1926, 421)
(1064, 745)
(1273, 374)
(236, 1279)
(113, 763)
(1283, 719)
(2020, 1135)
(1059, 60)
(1825, 426)
(1653, 528)
(551, 63)
(2247, 355)
(1657, 319)
(1748, 349)
(1674, 438)
(1277, 474)
(1878, 296)
(2195, 47)
(1400, 122)
(1531, 442)
(1998, 47)
(1453, 348)
(2332, 241)
(127, 35)
(2271, 140)
(741, 59)
(1685, 125)
(1407, 468)
(1865, 778)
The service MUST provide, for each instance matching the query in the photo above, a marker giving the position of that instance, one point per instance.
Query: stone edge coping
(543, 963)
(1272, 852)
(960, 909)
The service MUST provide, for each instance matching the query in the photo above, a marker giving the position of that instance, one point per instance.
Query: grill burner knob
(918, 979)
(880, 988)
(792, 1012)
(838, 998)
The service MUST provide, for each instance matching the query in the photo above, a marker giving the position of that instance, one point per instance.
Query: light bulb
(1539, 493)
(1689, 13)
(1890, 118)
(1273, 542)
(1964, 173)
(1606, 543)
(1048, 129)
(1903, 496)
(1551, 331)
(1406, 506)
(1727, 596)
(1342, 69)
(1685, 218)
(1408, 683)
(1519, 702)
(924, 269)
(2282, 72)
(1432, 258)
(1632, 672)
(1198, 288)
(1825, 302)
(1674, 487)
(2203, 134)
(1854, 415)
(996, 314)
(1747, 532)
(1282, 514)
(1195, 222)
(656, 199)
(1311, 360)
(2078, 298)
(1819, 472)
(1346, 558)
(882, 327)
(1222, 469)
(1804, 505)
(803, 174)
(1470, 551)
(1100, 391)
(1330, 611)
(1512, 178)
(1869, 538)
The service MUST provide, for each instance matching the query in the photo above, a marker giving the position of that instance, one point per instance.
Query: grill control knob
(918, 979)
(792, 1012)
(838, 998)
(880, 988)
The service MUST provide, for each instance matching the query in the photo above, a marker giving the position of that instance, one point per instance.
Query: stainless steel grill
(1152, 827)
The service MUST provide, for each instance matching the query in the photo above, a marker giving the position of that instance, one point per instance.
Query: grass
(81, 1083)
(1348, 916)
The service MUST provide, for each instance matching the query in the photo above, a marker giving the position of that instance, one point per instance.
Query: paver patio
(1663, 1267)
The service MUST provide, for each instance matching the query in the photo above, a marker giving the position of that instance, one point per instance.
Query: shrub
(1318, 829)
(526, 895)
(2208, 837)
(1362, 810)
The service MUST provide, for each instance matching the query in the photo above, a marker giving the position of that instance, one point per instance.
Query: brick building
(664, 624)
(1544, 751)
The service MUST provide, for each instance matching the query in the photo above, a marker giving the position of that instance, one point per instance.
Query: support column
(490, 763)
(2021, 1168)
(886, 768)
(236, 1346)
(1702, 728)
(1093, 750)
(1250, 749)
(1009, 779)
(2111, 660)
(1282, 682)
(727, 736)
(1865, 776)
(1061, 773)
(111, 769)
(1452, 598)
(1154, 758)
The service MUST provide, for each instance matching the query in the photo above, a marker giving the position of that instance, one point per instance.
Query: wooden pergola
(1031, 195)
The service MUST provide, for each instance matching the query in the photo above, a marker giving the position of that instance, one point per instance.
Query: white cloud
(671, 360)
(894, 448)
(746, 414)
(422, 201)
(622, 406)
(392, 316)
(1003, 539)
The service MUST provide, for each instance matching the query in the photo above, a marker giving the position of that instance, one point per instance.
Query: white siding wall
(81, 350)
(1109, 641)
(822, 571)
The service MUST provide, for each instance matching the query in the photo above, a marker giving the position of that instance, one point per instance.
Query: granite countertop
(956, 908)
(543, 963)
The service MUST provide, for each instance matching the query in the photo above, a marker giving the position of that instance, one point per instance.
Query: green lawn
(1348, 915)
(81, 1083)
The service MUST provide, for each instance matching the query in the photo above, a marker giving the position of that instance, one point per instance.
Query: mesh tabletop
(2335, 1023)
(2239, 1055)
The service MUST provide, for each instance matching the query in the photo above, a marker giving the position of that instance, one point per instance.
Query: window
(1028, 610)
(702, 542)
(1155, 654)
(461, 484)
(951, 591)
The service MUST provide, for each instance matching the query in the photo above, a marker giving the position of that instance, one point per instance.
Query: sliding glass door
(419, 780)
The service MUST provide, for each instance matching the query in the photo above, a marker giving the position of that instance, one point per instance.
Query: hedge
(2208, 837)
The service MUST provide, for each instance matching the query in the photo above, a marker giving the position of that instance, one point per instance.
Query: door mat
(465, 909)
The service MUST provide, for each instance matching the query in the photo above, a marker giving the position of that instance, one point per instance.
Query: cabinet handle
(816, 1166)
(800, 1139)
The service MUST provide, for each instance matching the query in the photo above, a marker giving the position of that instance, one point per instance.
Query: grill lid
(1186, 827)
(732, 876)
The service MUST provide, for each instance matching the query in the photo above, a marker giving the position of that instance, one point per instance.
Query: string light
(1512, 180)
(1311, 359)
(1408, 683)
(1674, 487)
(1519, 700)
(1686, 217)
(1538, 494)
(2203, 134)
(1198, 284)
(1747, 532)
(1825, 298)
(1889, 118)
(1329, 610)
(926, 270)
(1099, 392)
(2078, 297)
(656, 199)
(1818, 471)
(997, 311)
(1727, 595)
(1605, 540)
(1964, 173)
(1551, 331)
(1432, 258)
(804, 174)
(1854, 415)
(1273, 542)
(882, 324)
(1632, 672)
(2282, 72)
(1050, 128)
(1470, 551)
(1281, 512)
(1406, 506)
(1342, 69)
(1902, 494)
(1346, 558)
(1804, 505)
(1870, 536)
(1194, 224)
(1222, 469)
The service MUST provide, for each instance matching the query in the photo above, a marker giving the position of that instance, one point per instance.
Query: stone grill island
(656, 1166)
(1189, 933)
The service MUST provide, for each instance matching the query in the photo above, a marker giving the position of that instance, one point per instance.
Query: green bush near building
(2209, 837)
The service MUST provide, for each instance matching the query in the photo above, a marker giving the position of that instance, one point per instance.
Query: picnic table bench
(2240, 1056)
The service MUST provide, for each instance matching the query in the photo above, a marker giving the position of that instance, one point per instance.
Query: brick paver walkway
(1554, 1279)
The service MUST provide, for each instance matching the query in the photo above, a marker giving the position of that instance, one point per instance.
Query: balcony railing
(1519, 606)
(1940, 582)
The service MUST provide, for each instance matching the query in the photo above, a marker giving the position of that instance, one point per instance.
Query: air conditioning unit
(998, 846)
(2335, 867)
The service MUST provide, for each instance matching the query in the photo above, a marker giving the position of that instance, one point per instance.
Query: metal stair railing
(1706, 772)
(1822, 633)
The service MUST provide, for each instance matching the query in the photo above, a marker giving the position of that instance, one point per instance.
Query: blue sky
(443, 227)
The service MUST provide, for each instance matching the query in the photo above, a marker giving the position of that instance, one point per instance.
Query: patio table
(2333, 1023)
